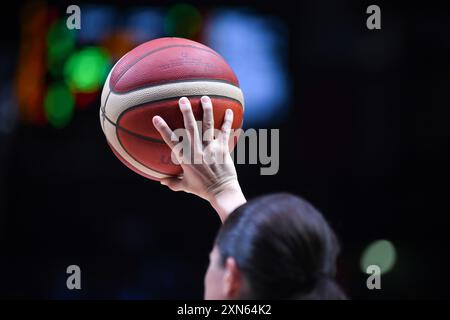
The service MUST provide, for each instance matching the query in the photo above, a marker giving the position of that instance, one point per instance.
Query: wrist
(227, 199)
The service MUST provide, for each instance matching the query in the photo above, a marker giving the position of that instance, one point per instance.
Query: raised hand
(208, 170)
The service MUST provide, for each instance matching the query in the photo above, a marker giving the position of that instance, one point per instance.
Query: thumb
(174, 183)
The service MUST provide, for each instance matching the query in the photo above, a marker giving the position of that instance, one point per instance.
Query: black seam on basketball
(146, 103)
(137, 135)
(103, 108)
(167, 99)
(160, 49)
(155, 84)
(120, 142)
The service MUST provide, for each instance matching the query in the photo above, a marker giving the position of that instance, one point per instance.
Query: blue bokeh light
(146, 24)
(253, 46)
(96, 23)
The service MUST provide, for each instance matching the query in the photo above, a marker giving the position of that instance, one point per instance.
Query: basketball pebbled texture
(148, 81)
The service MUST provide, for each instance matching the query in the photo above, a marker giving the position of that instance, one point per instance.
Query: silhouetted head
(274, 247)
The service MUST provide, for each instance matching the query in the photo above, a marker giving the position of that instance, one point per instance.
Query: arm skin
(209, 171)
(226, 201)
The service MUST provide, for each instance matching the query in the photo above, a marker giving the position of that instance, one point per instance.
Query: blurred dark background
(364, 129)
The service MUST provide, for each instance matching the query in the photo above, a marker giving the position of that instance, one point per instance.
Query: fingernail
(156, 120)
(183, 100)
(229, 112)
(205, 99)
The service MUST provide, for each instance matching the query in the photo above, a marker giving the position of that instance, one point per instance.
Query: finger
(188, 117)
(208, 119)
(166, 133)
(190, 124)
(174, 184)
(226, 126)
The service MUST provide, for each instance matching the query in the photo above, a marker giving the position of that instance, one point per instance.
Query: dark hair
(284, 248)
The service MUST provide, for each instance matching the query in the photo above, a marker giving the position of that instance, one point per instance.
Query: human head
(274, 247)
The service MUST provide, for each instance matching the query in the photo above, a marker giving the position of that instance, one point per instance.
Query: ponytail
(284, 248)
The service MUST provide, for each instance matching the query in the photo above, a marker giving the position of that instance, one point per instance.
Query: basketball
(149, 80)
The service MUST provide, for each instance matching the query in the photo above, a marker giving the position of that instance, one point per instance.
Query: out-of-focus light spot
(60, 43)
(118, 44)
(86, 70)
(381, 253)
(59, 104)
(145, 24)
(97, 22)
(182, 20)
(253, 46)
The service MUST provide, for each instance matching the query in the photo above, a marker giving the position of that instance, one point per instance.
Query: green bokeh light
(381, 253)
(60, 44)
(86, 70)
(59, 105)
(182, 20)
